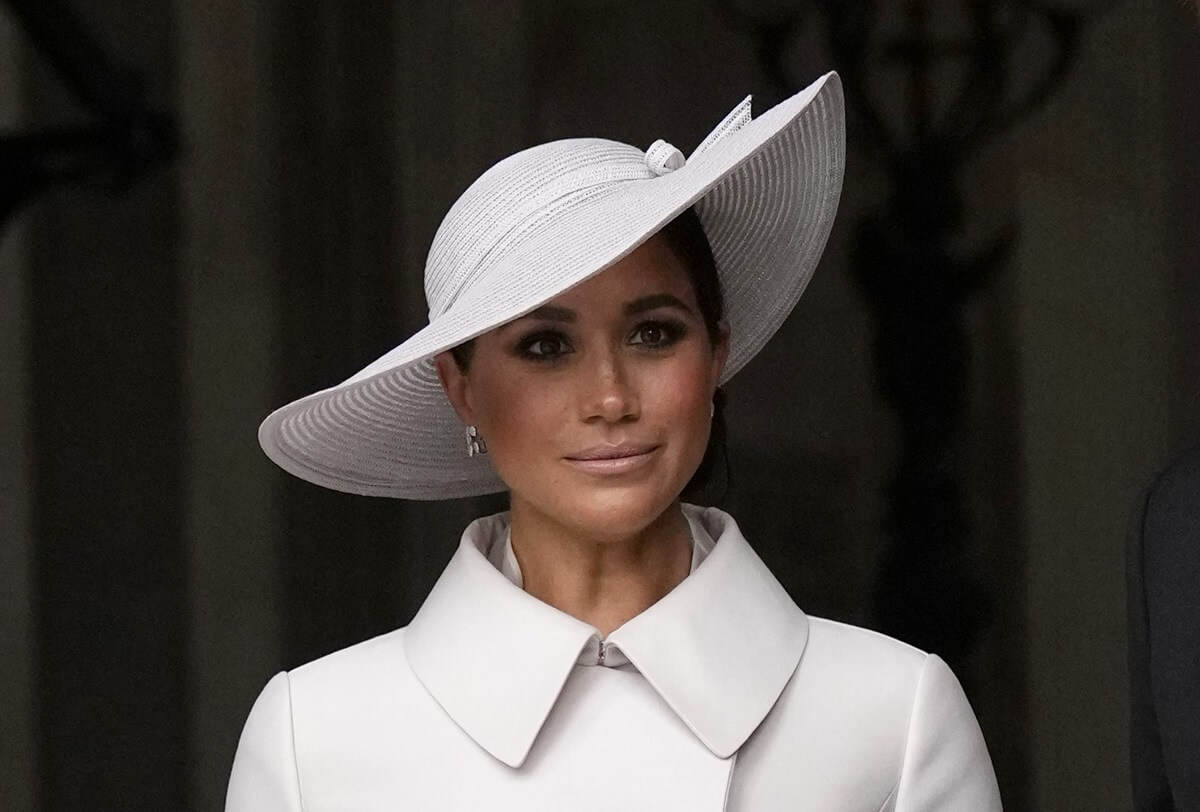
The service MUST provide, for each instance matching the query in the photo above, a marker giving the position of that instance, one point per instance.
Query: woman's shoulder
(855, 679)
(365, 692)
(873, 718)
(358, 681)
(350, 669)
(834, 642)
(844, 664)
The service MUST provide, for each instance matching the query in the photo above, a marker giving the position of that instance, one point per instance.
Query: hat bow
(664, 158)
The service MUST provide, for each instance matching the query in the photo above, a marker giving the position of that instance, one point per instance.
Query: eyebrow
(654, 302)
(641, 305)
(553, 313)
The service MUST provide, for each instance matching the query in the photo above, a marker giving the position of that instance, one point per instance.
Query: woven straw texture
(546, 219)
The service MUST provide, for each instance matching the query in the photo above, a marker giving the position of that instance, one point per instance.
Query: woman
(601, 645)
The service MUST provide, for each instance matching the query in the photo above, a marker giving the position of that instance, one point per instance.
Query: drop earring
(475, 443)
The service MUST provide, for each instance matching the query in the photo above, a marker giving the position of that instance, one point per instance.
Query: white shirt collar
(719, 648)
(603, 652)
(504, 559)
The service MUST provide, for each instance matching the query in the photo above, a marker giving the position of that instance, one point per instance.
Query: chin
(616, 512)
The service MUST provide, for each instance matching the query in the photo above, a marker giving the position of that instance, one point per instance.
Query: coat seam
(729, 780)
(912, 712)
(292, 732)
(891, 795)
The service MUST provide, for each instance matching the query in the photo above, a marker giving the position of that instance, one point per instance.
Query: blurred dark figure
(1164, 641)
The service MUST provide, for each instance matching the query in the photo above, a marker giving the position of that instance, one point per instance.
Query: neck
(600, 579)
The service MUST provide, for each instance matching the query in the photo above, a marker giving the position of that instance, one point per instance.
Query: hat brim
(766, 195)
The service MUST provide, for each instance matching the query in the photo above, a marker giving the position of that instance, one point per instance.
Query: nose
(611, 395)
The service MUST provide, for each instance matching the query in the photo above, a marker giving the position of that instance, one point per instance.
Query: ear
(456, 386)
(720, 354)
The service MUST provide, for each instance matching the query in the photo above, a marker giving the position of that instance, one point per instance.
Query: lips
(613, 459)
(613, 452)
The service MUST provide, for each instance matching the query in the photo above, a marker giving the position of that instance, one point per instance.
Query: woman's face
(596, 407)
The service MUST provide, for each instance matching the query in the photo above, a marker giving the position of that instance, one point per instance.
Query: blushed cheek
(684, 407)
(523, 422)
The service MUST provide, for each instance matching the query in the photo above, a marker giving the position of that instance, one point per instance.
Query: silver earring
(475, 443)
(712, 410)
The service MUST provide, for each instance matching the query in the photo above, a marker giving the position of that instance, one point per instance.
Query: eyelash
(671, 331)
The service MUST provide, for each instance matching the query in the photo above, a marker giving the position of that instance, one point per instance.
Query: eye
(657, 334)
(544, 346)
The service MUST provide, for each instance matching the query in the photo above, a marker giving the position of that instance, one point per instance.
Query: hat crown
(495, 215)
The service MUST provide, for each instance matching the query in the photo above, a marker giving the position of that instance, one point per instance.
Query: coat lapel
(718, 649)
(491, 655)
(722, 645)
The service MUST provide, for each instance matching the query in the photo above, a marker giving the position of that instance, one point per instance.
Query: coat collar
(719, 648)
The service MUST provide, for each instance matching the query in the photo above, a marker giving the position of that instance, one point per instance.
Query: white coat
(726, 697)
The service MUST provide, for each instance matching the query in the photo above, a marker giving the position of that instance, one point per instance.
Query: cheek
(519, 413)
(679, 399)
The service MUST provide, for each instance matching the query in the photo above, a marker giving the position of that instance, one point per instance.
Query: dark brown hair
(690, 245)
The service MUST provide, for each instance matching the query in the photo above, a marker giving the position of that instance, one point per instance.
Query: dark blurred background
(227, 205)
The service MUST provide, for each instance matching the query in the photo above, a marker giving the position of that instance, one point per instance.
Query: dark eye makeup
(658, 334)
(543, 346)
(551, 345)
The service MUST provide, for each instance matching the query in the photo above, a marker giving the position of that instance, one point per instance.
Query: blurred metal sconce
(127, 140)
(950, 96)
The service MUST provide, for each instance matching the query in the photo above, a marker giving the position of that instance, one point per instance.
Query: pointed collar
(719, 648)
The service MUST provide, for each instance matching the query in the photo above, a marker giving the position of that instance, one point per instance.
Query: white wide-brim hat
(546, 219)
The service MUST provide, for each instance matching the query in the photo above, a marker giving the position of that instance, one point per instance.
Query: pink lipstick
(613, 459)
